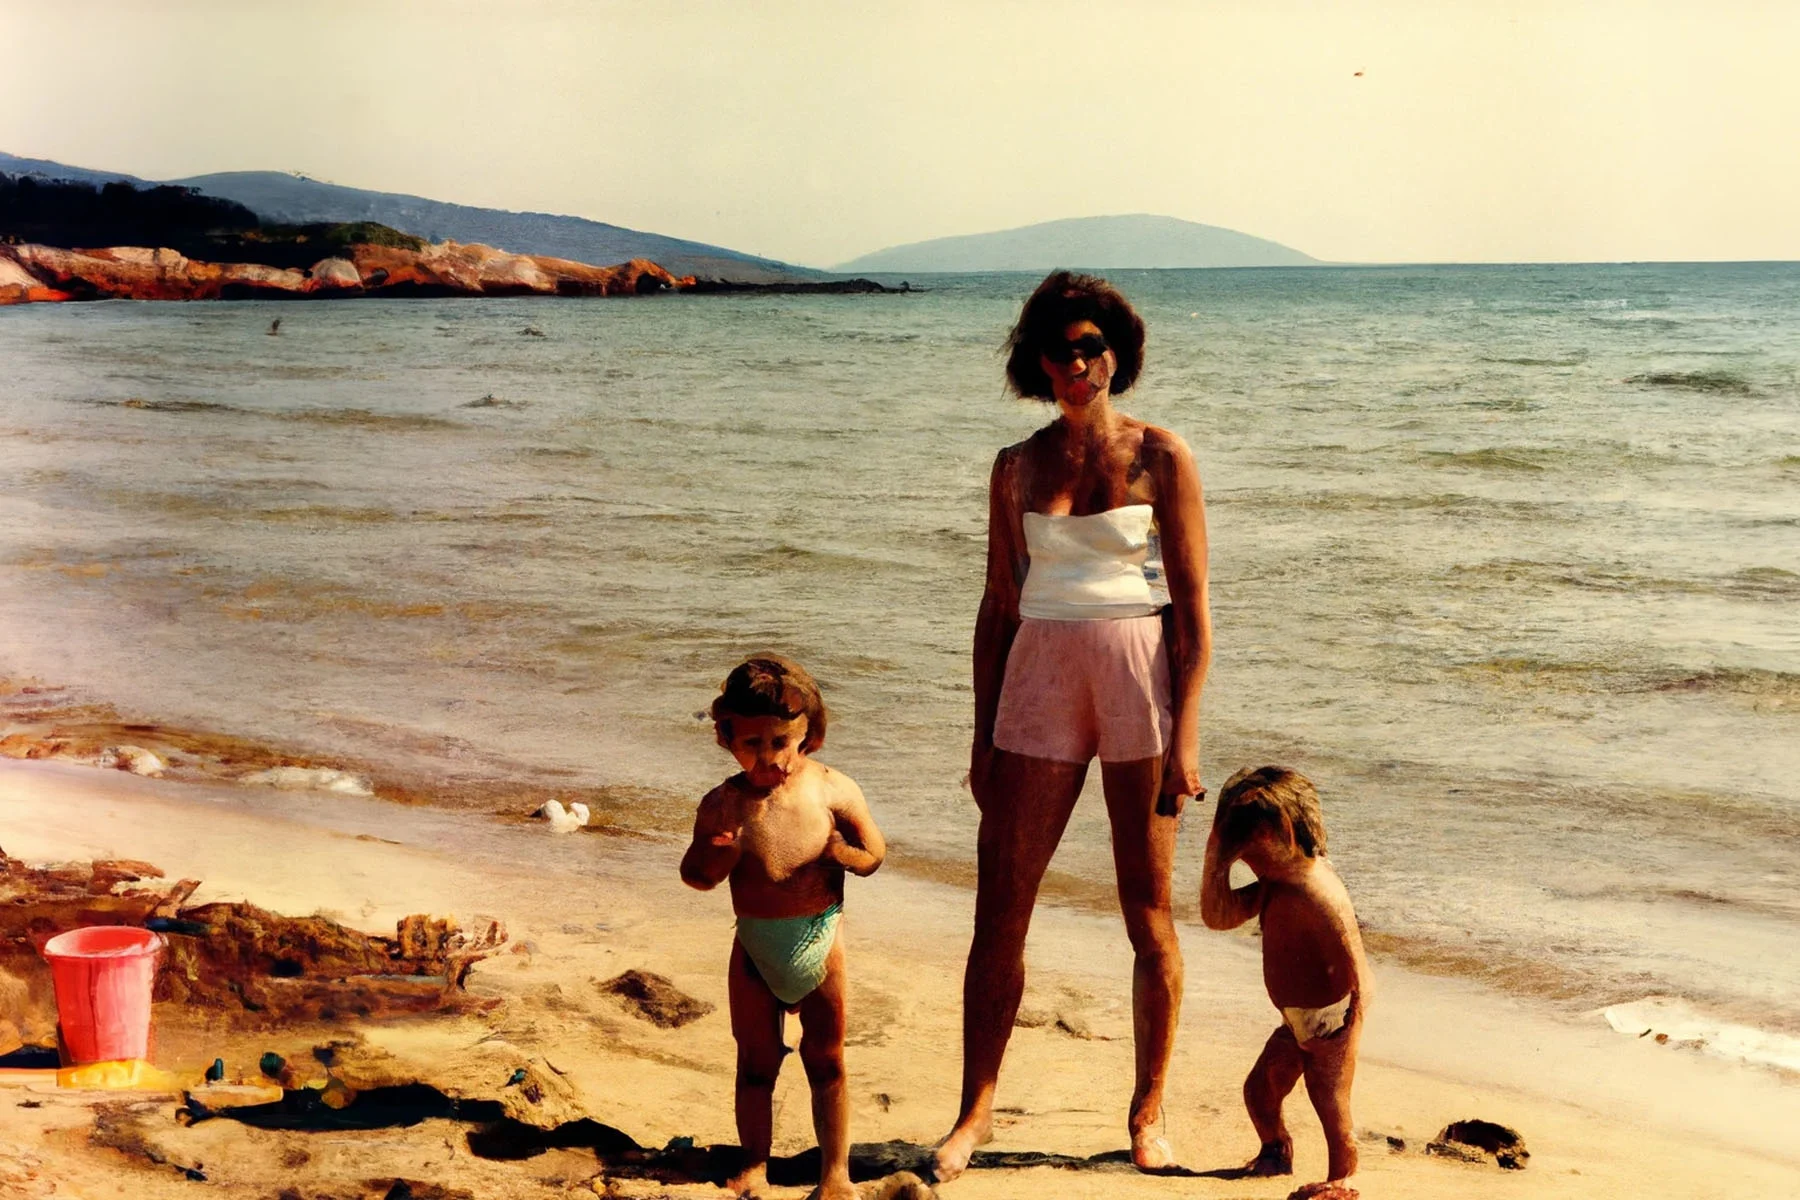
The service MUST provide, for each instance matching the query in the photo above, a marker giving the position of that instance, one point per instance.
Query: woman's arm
(1181, 522)
(998, 620)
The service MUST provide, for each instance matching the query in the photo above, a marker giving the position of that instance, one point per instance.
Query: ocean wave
(872, 336)
(1661, 320)
(1490, 458)
(785, 556)
(1505, 404)
(360, 417)
(1747, 583)
(1572, 360)
(1670, 1021)
(1780, 688)
(170, 406)
(326, 514)
(1757, 682)
(1450, 504)
(1725, 383)
(364, 418)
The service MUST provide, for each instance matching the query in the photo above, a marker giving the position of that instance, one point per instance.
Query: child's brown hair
(768, 685)
(1276, 796)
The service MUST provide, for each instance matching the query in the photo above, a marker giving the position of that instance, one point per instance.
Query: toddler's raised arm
(1221, 905)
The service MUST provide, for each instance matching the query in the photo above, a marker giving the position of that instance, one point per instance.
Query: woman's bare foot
(1275, 1158)
(750, 1182)
(1151, 1150)
(954, 1152)
(1335, 1189)
(838, 1187)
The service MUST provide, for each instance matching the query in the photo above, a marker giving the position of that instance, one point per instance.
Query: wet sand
(1602, 1116)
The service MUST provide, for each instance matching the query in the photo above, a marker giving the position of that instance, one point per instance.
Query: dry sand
(1603, 1116)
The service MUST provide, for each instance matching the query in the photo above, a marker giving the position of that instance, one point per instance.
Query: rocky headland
(34, 273)
(174, 243)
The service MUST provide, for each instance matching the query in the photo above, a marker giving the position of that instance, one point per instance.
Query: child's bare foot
(1335, 1189)
(1275, 1158)
(751, 1181)
(1151, 1150)
(954, 1152)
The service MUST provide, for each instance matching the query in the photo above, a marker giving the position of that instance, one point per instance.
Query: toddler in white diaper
(1313, 962)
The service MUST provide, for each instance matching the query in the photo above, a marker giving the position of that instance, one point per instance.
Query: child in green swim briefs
(784, 830)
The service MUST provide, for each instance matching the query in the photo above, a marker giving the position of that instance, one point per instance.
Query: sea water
(1507, 559)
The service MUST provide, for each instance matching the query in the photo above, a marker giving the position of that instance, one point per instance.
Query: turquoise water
(1507, 559)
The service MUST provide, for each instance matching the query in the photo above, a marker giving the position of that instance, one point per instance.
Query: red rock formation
(36, 273)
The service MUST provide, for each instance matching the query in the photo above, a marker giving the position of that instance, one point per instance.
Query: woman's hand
(981, 771)
(1181, 770)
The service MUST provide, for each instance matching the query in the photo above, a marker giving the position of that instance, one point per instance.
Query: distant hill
(1139, 241)
(295, 200)
(12, 164)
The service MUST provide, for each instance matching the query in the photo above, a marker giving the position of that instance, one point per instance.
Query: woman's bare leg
(1028, 808)
(1143, 843)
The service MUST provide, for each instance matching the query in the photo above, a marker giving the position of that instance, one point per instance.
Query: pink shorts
(1076, 689)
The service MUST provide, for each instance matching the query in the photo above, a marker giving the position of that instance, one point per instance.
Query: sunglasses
(1087, 347)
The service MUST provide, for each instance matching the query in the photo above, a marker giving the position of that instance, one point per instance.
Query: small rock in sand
(1062, 1022)
(901, 1185)
(135, 759)
(1481, 1141)
(1325, 1191)
(656, 999)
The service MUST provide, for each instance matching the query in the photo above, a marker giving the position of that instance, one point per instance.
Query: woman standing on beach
(1083, 649)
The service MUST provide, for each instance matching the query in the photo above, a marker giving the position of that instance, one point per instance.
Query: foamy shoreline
(65, 725)
(1437, 1050)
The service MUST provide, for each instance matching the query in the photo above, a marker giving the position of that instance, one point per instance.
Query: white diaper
(1311, 1024)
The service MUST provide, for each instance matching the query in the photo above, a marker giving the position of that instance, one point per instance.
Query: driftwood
(252, 967)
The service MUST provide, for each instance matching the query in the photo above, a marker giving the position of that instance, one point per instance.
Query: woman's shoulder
(1164, 450)
(1011, 461)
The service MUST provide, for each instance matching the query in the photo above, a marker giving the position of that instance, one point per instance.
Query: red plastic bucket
(103, 976)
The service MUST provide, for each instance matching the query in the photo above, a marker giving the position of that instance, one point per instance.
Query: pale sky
(814, 132)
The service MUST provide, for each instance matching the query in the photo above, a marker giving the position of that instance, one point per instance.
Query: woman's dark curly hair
(1060, 301)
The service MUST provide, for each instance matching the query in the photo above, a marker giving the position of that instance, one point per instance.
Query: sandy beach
(1602, 1116)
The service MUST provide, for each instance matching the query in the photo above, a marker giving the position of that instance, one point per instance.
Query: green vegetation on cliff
(76, 215)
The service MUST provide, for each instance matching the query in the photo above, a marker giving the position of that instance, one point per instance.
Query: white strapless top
(1095, 567)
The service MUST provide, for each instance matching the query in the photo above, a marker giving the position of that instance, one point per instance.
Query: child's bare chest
(785, 833)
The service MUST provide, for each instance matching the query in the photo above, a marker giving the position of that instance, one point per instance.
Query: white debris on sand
(310, 779)
(564, 820)
(135, 759)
